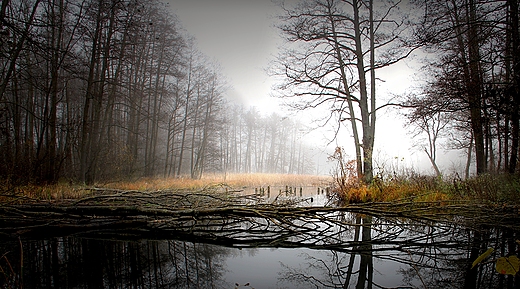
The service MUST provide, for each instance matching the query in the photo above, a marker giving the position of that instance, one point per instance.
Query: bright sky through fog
(240, 35)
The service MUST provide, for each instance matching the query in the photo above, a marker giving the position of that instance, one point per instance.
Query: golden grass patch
(232, 180)
(47, 192)
(390, 191)
(68, 191)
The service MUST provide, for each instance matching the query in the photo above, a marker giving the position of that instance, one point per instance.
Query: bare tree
(212, 89)
(338, 46)
(512, 65)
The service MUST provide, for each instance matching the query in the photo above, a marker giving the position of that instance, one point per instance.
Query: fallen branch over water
(215, 215)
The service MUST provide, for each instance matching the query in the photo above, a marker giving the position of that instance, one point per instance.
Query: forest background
(97, 90)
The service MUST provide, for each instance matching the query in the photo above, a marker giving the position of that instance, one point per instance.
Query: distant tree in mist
(431, 128)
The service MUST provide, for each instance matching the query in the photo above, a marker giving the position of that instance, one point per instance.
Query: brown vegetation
(234, 181)
(495, 189)
(348, 188)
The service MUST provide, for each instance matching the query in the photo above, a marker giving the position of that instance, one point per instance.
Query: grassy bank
(493, 188)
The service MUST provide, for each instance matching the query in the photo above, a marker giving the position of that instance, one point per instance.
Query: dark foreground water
(367, 252)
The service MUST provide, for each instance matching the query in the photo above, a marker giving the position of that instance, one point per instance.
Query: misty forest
(113, 123)
(96, 90)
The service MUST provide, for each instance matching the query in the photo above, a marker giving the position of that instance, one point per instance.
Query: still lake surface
(361, 252)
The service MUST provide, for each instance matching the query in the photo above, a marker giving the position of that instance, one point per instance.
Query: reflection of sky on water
(260, 270)
(263, 268)
(303, 196)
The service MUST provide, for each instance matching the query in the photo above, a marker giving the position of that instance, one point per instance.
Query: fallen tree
(219, 215)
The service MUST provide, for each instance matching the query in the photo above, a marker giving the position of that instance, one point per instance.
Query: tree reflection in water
(87, 263)
(429, 256)
(350, 251)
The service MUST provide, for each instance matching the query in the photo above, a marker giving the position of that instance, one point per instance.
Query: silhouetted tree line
(472, 97)
(107, 89)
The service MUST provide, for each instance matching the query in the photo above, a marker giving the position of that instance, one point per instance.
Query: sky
(240, 35)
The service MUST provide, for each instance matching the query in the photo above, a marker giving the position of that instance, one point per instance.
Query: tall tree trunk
(13, 57)
(195, 128)
(475, 88)
(96, 149)
(52, 169)
(201, 154)
(367, 138)
(185, 123)
(109, 135)
(515, 52)
(468, 158)
(349, 97)
(86, 129)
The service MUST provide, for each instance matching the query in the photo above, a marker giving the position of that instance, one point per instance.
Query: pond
(351, 251)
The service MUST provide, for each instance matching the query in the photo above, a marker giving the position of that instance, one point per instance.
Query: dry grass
(391, 193)
(486, 188)
(47, 192)
(68, 191)
(492, 188)
(232, 180)
(414, 187)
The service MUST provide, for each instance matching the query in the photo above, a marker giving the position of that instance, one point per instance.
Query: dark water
(367, 252)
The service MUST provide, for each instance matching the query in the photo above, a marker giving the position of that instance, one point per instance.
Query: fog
(242, 37)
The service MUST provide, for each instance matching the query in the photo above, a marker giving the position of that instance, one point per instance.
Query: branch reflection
(334, 250)
(424, 255)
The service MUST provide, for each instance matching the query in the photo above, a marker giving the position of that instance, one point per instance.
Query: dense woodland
(108, 89)
(472, 95)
